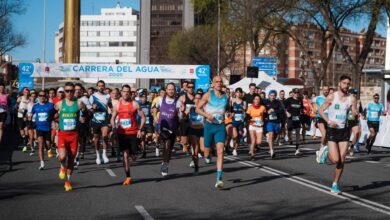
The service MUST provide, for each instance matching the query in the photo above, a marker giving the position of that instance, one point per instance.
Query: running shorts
(198, 132)
(255, 128)
(3, 117)
(97, 127)
(128, 142)
(21, 123)
(338, 135)
(374, 125)
(45, 134)
(272, 127)
(214, 132)
(148, 129)
(306, 120)
(291, 125)
(68, 140)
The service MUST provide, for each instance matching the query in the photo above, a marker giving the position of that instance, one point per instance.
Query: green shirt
(69, 116)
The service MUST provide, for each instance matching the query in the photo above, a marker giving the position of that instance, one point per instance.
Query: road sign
(266, 64)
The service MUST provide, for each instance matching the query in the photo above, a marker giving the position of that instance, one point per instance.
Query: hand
(288, 114)
(332, 124)
(271, 110)
(182, 108)
(210, 117)
(94, 106)
(139, 134)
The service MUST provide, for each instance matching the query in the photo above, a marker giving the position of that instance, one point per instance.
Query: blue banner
(203, 81)
(26, 71)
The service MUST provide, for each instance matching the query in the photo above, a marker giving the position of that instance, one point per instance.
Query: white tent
(264, 81)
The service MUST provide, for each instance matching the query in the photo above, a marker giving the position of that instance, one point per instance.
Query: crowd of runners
(122, 123)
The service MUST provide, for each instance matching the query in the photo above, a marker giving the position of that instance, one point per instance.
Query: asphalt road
(287, 187)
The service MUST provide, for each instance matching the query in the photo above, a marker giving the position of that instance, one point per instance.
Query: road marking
(316, 186)
(143, 212)
(370, 161)
(110, 172)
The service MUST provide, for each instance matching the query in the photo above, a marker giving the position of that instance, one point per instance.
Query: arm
(113, 115)
(82, 108)
(199, 107)
(354, 108)
(323, 107)
(143, 119)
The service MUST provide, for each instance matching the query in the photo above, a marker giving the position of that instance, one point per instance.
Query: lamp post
(219, 37)
(44, 41)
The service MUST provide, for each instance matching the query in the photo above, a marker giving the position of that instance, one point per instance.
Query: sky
(31, 24)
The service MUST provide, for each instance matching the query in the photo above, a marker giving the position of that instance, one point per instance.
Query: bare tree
(8, 38)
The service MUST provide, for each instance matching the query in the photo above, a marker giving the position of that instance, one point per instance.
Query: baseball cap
(142, 94)
(295, 90)
(272, 92)
(61, 89)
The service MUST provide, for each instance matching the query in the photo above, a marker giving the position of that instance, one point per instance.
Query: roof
(290, 81)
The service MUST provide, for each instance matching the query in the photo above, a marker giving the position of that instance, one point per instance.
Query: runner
(3, 109)
(294, 109)
(21, 121)
(44, 112)
(30, 123)
(68, 111)
(255, 113)
(148, 129)
(100, 104)
(168, 124)
(188, 101)
(215, 103)
(321, 123)
(114, 99)
(238, 109)
(306, 119)
(52, 94)
(156, 115)
(283, 119)
(374, 111)
(339, 104)
(354, 126)
(313, 114)
(124, 112)
(228, 121)
(274, 110)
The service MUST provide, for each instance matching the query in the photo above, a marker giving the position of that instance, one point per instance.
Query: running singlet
(217, 107)
(23, 106)
(196, 119)
(168, 119)
(338, 110)
(3, 103)
(68, 116)
(30, 106)
(256, 115)
(148, 115)
(239, 114)
(374, 111)
(319, 101)
(101, 101)
(43, 115)
(127, 120)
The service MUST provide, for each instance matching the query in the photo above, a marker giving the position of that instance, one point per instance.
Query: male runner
(3, 109)
(127, 128)
(238, 109)
(354, 126)
(22, 111)
(68, 110)
(374, 111)
(188, 101)
(274, 110)
(321, 123)
(294, 110)
(338, 134)
(215, 103)
(148, 129)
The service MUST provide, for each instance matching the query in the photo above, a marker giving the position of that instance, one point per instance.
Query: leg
(253, 143)
(126, 163)
(321, 126)
(220, 147)
(41, 142)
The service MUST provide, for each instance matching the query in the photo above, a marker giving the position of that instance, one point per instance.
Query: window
(109, 54)
(93, 44)
(114, 33)
(83, 33)
(83, 44)
(113, 44)
(127, 44)
(128, 33)
(104, 33)
(92, 34)
(89, 23)
(128, 54)
(104, 44)
(88, 54)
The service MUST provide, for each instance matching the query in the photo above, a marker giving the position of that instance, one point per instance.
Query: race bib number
(147, 120)
(100, 116)
(273, 116)
(374, 115)
(218, 119)
(197, 119)
(125, 123)
(69, 124)
(257, 121)
(238, 117)
(295, 118)
(42, 117)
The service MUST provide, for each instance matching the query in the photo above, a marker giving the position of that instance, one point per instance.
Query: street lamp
(219, 31)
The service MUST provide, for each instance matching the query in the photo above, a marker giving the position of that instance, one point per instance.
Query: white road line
(370, 161)
(110, 172)
(316, 186)
(143, 212)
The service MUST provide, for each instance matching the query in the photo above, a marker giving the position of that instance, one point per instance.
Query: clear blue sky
(31, 24)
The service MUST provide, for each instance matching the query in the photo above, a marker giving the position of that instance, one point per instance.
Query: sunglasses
(190, 87)
(376, 98)
(41, 95)
(69, 91)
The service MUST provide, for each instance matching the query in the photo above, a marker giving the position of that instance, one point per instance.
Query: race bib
(42, 116)
(101, 116)
(197, 119)
(238, 117)
(273, 116)
(295, 118)
(69, 124)
(218, 119)
(125, 123)
(257, 121)
(2, 109)
(374, 115)
(147, 120)
(188, 106)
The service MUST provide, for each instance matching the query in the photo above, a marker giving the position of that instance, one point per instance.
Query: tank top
(23, 106)
(338, 110)
(196, 119)
(127, 120)
(374, 111)
(188, 102)
(238, 110)
(216, 107)
(3, 103)
(148, 115)
(68, 116)
(168, 119)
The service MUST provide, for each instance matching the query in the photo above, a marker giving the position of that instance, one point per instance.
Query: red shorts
(68, 140)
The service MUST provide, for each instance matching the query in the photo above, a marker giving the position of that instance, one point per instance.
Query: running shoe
(219, 184)
(143, 155)
(207, 160)
(200, 155)
(235, 153)
(105, 158)
(81, 155)
(272, 154)
(98, 161)
(62, 173)
(319, 154)
(164, 169)
(127, 181)
(50, 154)
(323, 155)
(252, 158)
(24, 149)
(335, 189)
(67, 186)
(192, 164)
(351, 151)
(297, 152)
(32, 153)
(157, 152)
(41, 167)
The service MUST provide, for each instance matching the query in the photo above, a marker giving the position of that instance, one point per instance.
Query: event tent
(264, 81)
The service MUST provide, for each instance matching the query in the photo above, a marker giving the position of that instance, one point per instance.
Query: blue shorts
(273, 127)
(214, 132)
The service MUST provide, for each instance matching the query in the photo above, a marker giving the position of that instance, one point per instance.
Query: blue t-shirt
(319, 101)
(374, 111)
(43, 116)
